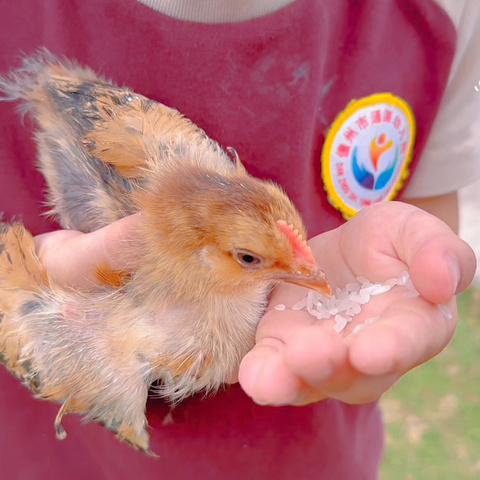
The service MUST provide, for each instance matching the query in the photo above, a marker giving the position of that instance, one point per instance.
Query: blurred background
(470, 220)
(433, 414)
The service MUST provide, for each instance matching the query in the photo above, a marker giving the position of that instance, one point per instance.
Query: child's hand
(71, 256)
(299, 359)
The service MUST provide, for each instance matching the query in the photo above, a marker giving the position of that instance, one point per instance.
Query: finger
(73, 258)
(314, 353)
(116, 242)
(269, 377)
(285, 340)
(385, 239)
(320, 359)
(408, 334)
(310, 347)
(439, 262)
(281, 324)
(441, 267)
(264, 376)
(360, 388)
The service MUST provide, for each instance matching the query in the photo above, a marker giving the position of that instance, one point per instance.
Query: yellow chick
(212, 243)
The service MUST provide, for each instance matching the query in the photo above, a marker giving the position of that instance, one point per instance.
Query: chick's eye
(248, 259)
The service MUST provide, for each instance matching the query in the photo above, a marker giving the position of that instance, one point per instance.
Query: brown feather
(20, 267)
(112, 278)
(22, 281)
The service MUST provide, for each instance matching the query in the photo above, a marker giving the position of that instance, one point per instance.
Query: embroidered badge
(367, 152)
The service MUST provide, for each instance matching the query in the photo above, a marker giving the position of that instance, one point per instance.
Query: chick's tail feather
(29, 81)
(85, 193)
(83, 368)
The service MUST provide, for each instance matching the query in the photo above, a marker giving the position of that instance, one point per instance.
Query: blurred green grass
(432, 415)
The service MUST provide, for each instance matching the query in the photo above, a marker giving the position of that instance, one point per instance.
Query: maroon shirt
(272, 88)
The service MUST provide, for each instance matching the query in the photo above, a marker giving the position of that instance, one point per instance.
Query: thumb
(89, 259)
(441, 264)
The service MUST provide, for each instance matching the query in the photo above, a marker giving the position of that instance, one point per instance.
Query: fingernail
(455, 273)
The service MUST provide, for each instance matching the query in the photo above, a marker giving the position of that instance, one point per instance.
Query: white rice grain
(340, 323)
(378, 289)
(352, 287)
(363, 280)
(345, 304)
(445, 311)
(300, 305)
(357, 328)
(392, 282)
(404, 278)
(310, 301)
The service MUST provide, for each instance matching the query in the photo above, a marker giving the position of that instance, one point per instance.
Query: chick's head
(238, 231)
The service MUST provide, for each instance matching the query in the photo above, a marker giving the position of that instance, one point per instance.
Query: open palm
(299, 359)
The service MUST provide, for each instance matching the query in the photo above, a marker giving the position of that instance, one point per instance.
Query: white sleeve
(451, 158)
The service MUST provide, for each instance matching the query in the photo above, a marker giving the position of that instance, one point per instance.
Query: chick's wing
(97, 142)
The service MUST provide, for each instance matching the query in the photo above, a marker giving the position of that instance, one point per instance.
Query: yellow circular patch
(367, 152)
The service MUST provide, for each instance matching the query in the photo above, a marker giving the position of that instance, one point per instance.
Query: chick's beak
(308, 276)
(304, 270)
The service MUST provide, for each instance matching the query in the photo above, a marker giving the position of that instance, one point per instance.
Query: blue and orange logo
(371, 176)
(367, 152)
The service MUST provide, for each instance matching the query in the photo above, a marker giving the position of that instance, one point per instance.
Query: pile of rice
(343, 305)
